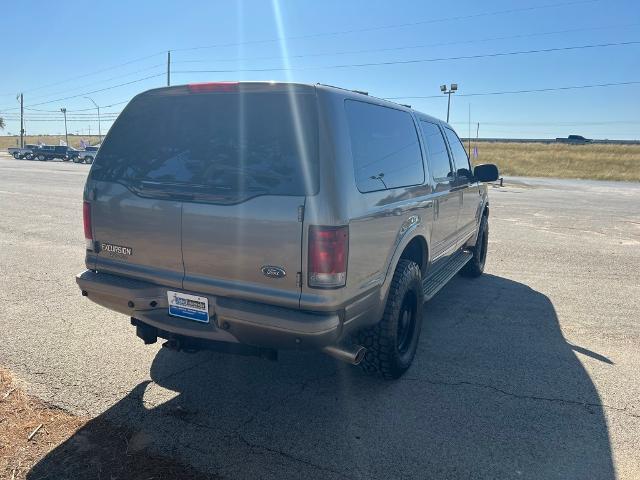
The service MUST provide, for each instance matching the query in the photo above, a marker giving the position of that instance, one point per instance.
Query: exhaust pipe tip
(353, 354)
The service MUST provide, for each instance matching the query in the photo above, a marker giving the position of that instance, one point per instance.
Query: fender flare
(413, 232)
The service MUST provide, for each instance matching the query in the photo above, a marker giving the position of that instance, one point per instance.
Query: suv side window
(459, 153)
(439, 162)
(385, 147)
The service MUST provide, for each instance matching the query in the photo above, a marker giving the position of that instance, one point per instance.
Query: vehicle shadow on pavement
(495, 392)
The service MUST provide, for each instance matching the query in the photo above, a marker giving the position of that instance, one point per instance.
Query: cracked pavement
(527, 372)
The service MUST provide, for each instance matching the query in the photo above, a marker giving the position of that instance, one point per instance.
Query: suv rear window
(384, 145)
(221, 147)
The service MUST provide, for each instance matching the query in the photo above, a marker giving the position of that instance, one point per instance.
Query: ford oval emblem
(273, 272)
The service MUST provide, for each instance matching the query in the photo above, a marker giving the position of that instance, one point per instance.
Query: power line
(99, 81)
(429, 45)
(513, 92)
(323, 34)
(419, 60)
(445, 19)
(392, 26)
(558, 124)
(99, 90)
(95, 72)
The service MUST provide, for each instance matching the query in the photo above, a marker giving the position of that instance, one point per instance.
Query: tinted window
(385, 148)
(459, 153)
(438, 157)
(219, 147)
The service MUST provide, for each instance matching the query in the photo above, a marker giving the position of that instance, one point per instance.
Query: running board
(433, 283)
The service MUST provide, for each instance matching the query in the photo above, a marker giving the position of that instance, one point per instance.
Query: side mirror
(487, 172)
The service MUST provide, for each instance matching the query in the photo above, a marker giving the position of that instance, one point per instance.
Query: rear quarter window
(385, 147)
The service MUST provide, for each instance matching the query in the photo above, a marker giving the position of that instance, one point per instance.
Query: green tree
(1, 123)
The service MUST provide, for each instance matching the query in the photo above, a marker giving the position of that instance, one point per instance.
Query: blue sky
(54, 50)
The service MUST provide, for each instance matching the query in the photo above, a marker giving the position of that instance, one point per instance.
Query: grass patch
(591, 161)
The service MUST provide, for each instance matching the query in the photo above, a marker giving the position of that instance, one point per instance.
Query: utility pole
(469, 139)
(21, 121)
(66, 134)
(98, 107)
(452, 89)
(168, 68)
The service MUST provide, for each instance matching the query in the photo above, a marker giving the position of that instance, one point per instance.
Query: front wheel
(475, 266)
(392, 343)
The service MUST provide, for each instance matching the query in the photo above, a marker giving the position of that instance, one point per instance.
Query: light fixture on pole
(66, 134)
(452, 89)
(99, 129)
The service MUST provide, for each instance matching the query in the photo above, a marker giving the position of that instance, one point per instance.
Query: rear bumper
(231, 320)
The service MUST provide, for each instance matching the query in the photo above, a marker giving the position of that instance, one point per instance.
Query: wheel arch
(413, 247)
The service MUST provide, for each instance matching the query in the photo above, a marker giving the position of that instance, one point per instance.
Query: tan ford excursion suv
(257, 216)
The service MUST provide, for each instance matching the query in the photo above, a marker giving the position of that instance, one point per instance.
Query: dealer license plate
(191, 307)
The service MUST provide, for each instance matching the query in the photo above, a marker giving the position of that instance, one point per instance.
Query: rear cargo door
(256, 156)
(136, 214)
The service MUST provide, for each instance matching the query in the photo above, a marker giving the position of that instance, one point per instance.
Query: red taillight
(86, 222)
(213, 87)
(328, 254)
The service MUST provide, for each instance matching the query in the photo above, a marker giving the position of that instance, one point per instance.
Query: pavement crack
(622, 410)
(291, 457)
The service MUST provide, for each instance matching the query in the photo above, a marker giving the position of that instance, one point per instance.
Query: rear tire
(475, 266)
(16, 155)
(88, 160)
(42, 158)
(392, 343)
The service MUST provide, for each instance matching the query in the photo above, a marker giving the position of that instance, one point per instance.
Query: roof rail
(361, 92)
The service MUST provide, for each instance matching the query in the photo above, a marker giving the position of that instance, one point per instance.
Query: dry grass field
(74, 140)
(591, 161)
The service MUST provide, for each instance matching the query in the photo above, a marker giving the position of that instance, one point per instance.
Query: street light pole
(21, 120)
(66, 135)
(99, 129)
(452, 89)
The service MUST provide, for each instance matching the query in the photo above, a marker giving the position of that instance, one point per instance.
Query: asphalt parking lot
(530, 371)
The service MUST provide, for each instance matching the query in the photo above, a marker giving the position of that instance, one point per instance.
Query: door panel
(467, 220)
(444, 234)
(469, 191)
(225, 247)
(447, 201)
(147, 228)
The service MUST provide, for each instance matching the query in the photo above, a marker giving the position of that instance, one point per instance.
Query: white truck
(87, 155)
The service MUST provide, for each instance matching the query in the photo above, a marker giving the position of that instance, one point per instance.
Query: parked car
(88, 154)
(50, 152)
(72, 154)
(20, 153)
(574, 139)
(325, 227)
